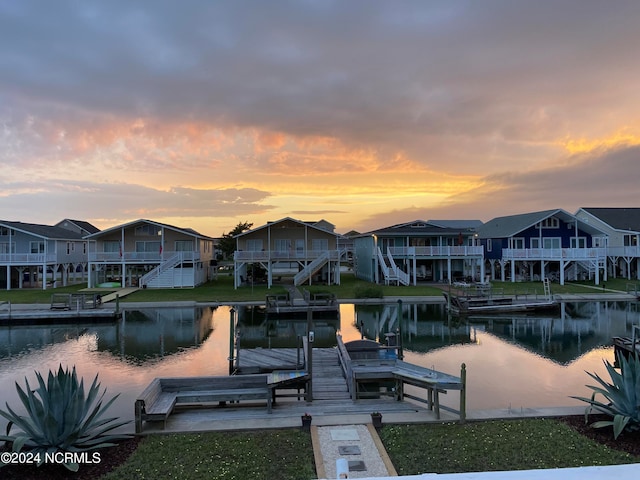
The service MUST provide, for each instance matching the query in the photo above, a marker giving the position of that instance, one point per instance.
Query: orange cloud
(585, 145)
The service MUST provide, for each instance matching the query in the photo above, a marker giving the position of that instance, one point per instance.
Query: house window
(320, 244)
(4, 232)
(147, 230)
(580, 242)
(535, 243)
(282, 245)
(630, 241)
(551, 242)
(551, 222)
(37, 247)
(143, 247)
(517, 243)
(299, 246)
(184, 246)
(68, 248)
(489, 245)
(599, 242)
(6, 247)
(254, 245)
(111, 247)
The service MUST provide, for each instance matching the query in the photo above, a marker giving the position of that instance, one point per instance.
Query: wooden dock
(299, 302)
(265, 360)
(369, 372)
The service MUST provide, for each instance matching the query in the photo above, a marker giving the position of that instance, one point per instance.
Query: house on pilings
(149, 254)
(427, 251)
(549, 244)
(622, 226)
(42, 256)
(308, 251)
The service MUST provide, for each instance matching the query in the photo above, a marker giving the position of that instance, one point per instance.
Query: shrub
(60, 418)
(368, 291)
(622, 396)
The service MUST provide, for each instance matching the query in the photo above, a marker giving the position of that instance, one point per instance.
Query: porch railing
(553, 253)
(152, 257)
(623, 251)
(437, 251)
(275, 255)
(27, 258)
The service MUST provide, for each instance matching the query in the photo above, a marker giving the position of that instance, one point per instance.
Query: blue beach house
(549, 244)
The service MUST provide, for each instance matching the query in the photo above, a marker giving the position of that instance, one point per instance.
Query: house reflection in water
(138, 336)
(158, 332)
(258, 329)
(576, 330)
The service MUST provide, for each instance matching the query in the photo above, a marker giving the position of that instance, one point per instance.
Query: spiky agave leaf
(622, 395)
(60, 417)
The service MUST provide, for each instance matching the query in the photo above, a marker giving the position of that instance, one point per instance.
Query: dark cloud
(606, 178)
(413, 74)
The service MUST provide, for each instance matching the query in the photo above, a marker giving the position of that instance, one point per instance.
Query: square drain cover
(357, 466)
(344, 434)
(349, 450)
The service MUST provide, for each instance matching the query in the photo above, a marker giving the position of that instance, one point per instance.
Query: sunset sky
(204, 114)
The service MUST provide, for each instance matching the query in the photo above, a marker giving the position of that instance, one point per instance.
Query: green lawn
(222, 289)
(496, 445)
(413, 449)
(270, 454)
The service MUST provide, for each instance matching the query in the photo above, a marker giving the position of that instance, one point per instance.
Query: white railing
(27, 258)
(169, 263)
(623, 251)
(553, 253)
(383, 265)
(115, 257)
(437, 251)
(310, 269)
(399, 274)
(274, 255)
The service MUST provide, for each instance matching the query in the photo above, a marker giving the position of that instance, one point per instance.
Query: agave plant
(622, 396)
(61, 418)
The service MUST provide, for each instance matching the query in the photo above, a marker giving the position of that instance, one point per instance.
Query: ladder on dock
(546, 284)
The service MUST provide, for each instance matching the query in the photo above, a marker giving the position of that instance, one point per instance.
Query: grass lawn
(270, 454)
(413, 449)
(495, 445)
(222, 289)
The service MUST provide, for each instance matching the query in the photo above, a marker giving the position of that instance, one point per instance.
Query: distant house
(548, 244)
(34, 255)
(150, 254)
(434, 250)
(78, 226)
(309, 250)
(622, 226)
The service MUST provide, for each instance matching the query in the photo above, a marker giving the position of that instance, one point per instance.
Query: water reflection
(140, 335)
(258, 329)
(514, 361)
(578, 329)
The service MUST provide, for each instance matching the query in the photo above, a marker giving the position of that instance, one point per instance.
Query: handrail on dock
(400, 372)
(75, 301)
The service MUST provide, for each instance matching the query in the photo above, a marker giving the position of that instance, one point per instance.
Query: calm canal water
(512, 361)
